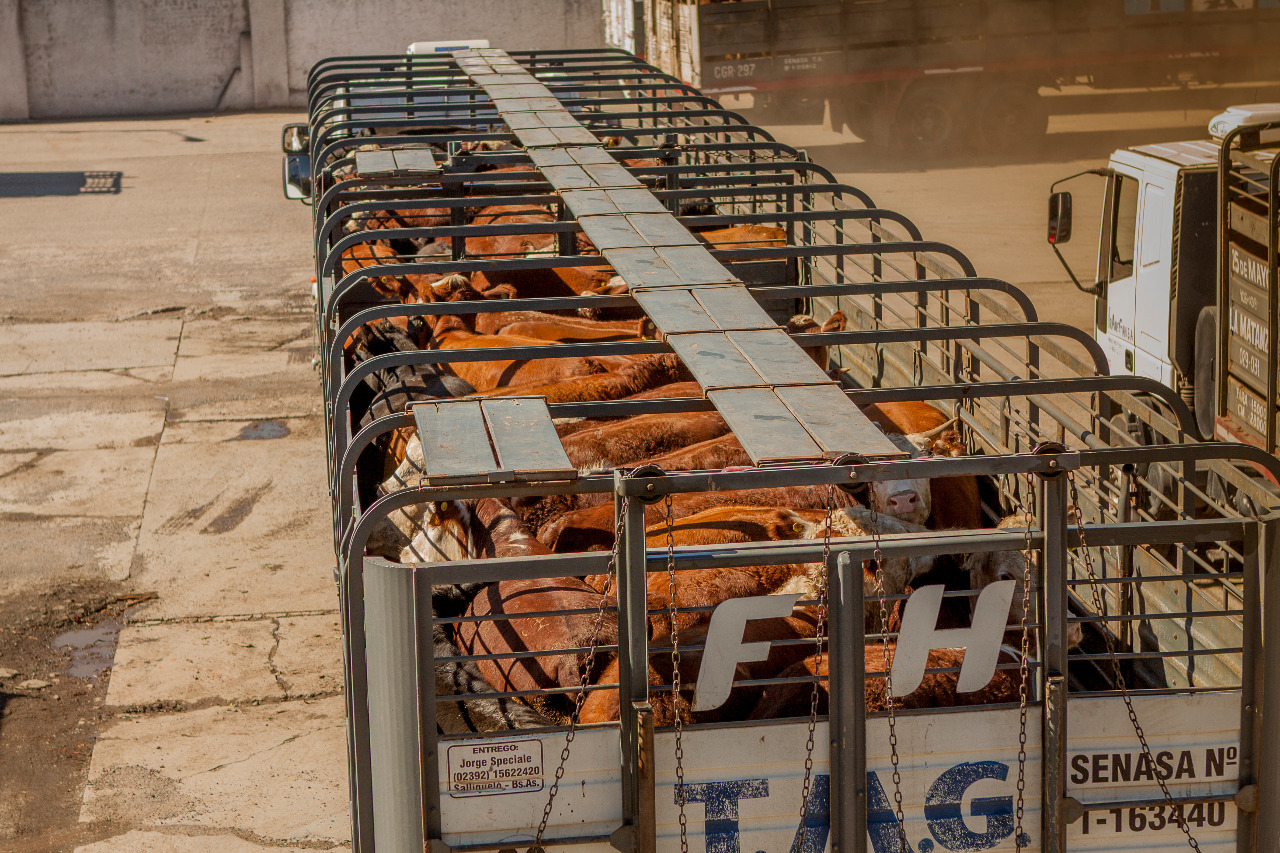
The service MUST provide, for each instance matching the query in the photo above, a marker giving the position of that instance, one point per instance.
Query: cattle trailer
(1153, 731)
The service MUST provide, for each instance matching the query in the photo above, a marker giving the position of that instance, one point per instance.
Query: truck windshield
(1125, 230)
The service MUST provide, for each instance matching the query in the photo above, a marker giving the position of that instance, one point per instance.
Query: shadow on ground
(35, 184)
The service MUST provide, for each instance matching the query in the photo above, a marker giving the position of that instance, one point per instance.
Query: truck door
(1116, 265)
(1151, 274)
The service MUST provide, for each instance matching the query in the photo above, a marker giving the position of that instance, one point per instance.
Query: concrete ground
(162, 489)
(160, 434)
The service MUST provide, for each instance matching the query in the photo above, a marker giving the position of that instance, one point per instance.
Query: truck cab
(1156, 264)
(1160, 309)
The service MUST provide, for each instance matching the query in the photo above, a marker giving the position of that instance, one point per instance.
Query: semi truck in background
(940, 73)
(1185, 286)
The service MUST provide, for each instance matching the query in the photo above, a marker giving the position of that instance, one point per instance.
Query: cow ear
(501, 291)
(836, 323)
(801, 323)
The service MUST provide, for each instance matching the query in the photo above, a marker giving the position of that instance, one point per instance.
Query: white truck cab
(1157, 197)
(1156, 283)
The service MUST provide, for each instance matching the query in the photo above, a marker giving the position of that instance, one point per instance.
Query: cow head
(987, 567)
(906, 499)
(943, 440)
(804, 324)
(444, 534)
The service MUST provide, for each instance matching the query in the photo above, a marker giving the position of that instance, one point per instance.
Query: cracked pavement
(160, 422)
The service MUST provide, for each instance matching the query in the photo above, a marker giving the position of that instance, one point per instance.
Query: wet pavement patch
(91, 649)
(261, 430)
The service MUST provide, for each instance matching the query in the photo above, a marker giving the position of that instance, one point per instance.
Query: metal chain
(1076, 517)
(818, 637)
(903, 844)
(675, 675)
(583, 672)
(1028, 519)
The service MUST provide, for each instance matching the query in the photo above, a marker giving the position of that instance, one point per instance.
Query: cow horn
(938, 430)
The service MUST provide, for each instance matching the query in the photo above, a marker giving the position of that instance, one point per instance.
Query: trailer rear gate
(1165, 582)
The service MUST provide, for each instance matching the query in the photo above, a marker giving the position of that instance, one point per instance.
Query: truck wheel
(1205, 379)
(930, 120)
(1010, 116)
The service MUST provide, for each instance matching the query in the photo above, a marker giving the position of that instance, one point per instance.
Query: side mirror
(297, 176)
(1059, 218)
(295, 138)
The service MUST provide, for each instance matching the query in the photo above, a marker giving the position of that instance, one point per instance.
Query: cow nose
(903, 502)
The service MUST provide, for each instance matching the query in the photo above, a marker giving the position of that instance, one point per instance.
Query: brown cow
(519, 621)
(640, 437)
(402, 288)
(526, 627)
(591, 528)
(636, 375)
(451, 331)
(955, 501)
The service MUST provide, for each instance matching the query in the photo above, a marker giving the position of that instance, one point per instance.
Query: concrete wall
(77, 58)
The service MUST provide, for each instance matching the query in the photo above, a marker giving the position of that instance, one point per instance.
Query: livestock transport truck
(1102, 687)
(1186, 275)
(933, 74)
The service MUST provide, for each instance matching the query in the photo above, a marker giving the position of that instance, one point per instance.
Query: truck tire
(1206, 374)
(1010, 116)
(931, 120)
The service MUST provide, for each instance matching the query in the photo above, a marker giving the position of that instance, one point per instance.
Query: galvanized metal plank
(593, 202)
(545, 158)
(521, 90)
(374, 163)
(777, 358)
(560, 118)
(767, 429)
(674, 310)
(713, 360)
(695, 265)
(661, 229)
(455, 442)
(589, 155)
(611, 175)
(506, 104)
(568, 177)
(525, 439)
(611, 232)
(641, 268)
(534, 137)
(825, 412)
(637, 200)
(415, 160)
(523, 121)
(579, 135)
(732, 307)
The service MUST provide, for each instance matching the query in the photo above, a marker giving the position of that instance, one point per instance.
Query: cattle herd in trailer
(607, 369)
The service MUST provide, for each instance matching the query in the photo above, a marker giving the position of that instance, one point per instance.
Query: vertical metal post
(392, 696)
(458, 243)
(633, 665)
(1124, 515)
(1054, 733)
(356, 681)
(428, 746)
(626, 718)
(1267, 759)
(1252, 678)
(848, 710)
